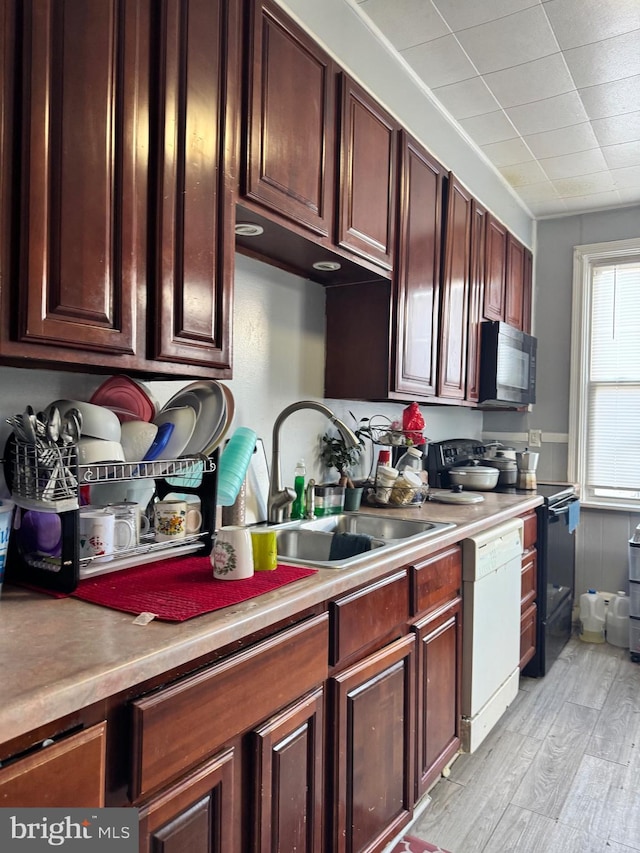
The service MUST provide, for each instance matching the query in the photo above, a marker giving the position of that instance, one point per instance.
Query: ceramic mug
(265, 551)
(97, 533)
(130, 514)
(232, 556)
(175, 519)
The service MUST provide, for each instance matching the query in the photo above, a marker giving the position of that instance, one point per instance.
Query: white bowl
(97, 421)
(92, 451)
(137, 437)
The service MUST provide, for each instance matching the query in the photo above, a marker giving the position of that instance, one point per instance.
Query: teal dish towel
(346, 545)
(573, 516)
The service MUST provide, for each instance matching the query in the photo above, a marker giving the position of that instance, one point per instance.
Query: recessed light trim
(248, 229)
(327, 266)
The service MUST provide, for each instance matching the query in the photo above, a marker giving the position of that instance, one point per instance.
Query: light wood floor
(560, 773)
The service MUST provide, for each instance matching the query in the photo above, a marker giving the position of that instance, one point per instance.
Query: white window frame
(584, 258)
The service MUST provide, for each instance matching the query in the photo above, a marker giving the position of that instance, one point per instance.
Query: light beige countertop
(58, 656)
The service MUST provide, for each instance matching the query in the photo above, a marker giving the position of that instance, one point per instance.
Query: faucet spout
(280, 499)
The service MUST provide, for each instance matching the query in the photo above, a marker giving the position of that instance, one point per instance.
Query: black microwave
(507, 366)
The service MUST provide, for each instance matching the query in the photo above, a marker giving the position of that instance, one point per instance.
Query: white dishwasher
(491, 592)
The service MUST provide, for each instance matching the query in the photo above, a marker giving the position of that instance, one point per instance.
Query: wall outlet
(535, 438)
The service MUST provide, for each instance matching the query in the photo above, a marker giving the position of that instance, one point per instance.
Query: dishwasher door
(492, 566)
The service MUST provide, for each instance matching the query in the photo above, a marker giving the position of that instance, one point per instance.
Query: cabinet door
(193, 202)
(69, 772)
(288, 779)
(528, 635)
(495, 270)
(417, 286)
(368, 144)
(84, 148)
(371, 789)
(527, 292)
(513, 312)
(476, 295)
(290, 135)
(439, 648)
(196, 815)
(455, 292)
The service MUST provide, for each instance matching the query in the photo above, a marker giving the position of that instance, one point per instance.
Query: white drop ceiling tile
(459, 15)
(521, 174)
(619, 156)
(580, 22)
(545, 208)
(627, 177)
(550, 114)
(440, 62)
(544, 191)
(585, 184)
(630, 195)
(617, 129)
(490, 127)
(531, 81)
(509, 41)
(467, 98)
(508, 152)
(565, 140)
(592, 201)
(604, 61)
(610, 99)
(406, 22)
(570, 165)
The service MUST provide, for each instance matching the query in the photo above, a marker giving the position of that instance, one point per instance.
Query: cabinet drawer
(436, 579)
(69, 773)
(530, 533)
(359, 619)
(529, 579)
(180, 725)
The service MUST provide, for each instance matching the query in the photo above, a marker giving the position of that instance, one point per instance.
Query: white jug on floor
(592, 617)
(618, 620)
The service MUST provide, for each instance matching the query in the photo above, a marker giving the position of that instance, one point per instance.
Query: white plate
(225, 423)
(208, 399)
(183, 419)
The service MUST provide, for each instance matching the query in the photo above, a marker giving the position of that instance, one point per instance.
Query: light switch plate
(535, 438)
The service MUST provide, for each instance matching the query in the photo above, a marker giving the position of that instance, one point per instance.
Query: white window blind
(606, 382)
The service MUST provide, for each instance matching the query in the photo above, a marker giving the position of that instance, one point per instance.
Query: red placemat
(176, 590)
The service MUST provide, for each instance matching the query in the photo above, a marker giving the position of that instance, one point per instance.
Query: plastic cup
(265, 550)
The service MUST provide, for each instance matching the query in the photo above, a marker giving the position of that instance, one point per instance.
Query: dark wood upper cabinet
(84, 147)
(476, 293)
(367, 175)
(417, 280)
(527, 291)
(495, 270)
(192, 189)
(289, 150)
(514, 291)
(455, 292)
(122, 156)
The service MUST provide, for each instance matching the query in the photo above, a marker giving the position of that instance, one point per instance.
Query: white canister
(592, 617)
(385, 478)
(232, 556)
(618, 620)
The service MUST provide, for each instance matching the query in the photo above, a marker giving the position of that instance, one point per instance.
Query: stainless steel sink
(309, 541)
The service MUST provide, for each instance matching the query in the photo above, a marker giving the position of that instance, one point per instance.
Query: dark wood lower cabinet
(371, 783)
(439, 646)
(196, 814)
(288, 779)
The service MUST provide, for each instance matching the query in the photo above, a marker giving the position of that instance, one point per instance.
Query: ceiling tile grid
(547, 90)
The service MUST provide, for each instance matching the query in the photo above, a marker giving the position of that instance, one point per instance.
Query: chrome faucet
(280, 499)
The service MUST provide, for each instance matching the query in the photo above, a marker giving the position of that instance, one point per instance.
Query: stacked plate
(201, 414)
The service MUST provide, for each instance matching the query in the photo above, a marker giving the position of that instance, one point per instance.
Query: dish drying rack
(47, 480)
(380, 432)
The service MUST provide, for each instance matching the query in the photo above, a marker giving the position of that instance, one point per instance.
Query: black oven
(556, 574)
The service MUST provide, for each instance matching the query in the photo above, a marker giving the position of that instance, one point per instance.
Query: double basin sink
(313, 542)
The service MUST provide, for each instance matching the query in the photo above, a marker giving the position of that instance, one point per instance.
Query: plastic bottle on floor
(618, 620)
(592, 617)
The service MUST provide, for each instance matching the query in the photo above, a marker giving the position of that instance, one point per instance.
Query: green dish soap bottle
(297, 509)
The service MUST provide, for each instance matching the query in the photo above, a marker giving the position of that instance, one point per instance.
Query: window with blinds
(605, 428)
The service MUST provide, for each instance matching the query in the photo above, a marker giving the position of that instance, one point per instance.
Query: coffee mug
(175, 519)
(131, 517)
(232, 556)
(265, 554)
(97, 533)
